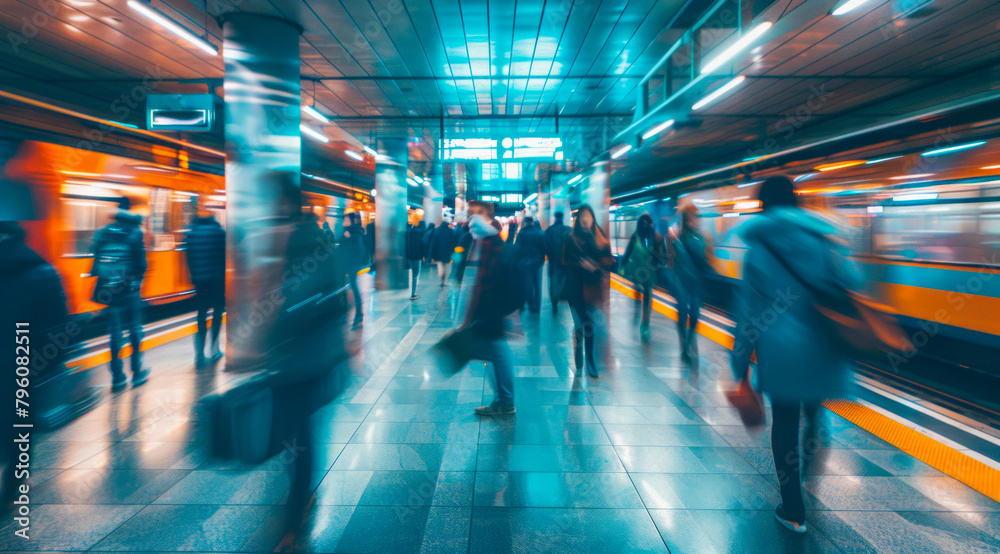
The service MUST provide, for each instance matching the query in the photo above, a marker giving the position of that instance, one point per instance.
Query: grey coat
(797, 358)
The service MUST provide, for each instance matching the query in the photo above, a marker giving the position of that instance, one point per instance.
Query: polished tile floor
(646, 458)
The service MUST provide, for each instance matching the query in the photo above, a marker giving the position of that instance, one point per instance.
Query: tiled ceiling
(412, 68)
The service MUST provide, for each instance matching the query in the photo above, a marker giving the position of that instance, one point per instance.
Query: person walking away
(791, 265)
(512, 231)
(206, 261)
(414, 251)
(353, 254)
(368, 254)
(586, 257)
(645, 254)
(119, 265)
(480, 311)
(442, 245)
(425, 242)
(690, 267)
(462, 249)
(35, 302)
(555, 237)
(531, 246)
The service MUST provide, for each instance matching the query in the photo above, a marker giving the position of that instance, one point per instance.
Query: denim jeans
(121, 316)
(414, 266)
(352, 278)
(501, 374)
(209, 296)
(535, 292)
(688, 310)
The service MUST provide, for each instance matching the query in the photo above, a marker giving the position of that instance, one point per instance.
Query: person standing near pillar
(442, 246)
(555, 238)
(206, 260)
(414, 251)
(353, 251)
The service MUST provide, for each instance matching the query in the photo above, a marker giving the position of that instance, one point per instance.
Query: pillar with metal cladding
(263, 167)
(433, 189)
(390, 215)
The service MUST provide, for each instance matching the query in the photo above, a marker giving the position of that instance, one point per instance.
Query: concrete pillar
(391, 215)
(433, 188)
(263, 167)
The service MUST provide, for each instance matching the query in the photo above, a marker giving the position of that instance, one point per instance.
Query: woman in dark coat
(441, 248)
(586, 257)
(645, 254)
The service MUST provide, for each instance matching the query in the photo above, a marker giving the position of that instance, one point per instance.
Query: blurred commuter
(368, 255)
(481, 312)
(328, 234)
(414, 251)
(512, 231)
(687, 250)
(354, 254)
(425, 241)
(462, 249)
(442, 245)
(206, 260)
(119, 265)
(555, 237)
(586, 256)
(33, 296)
(531, 246)
(645, 254)
(790, 266)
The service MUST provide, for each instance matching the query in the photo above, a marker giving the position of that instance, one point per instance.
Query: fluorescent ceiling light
(418, 179)
(914, 176)
(880, 160)
(370, 151)
(172, 26)
(530, 198)
(313, 133)
(915, 197)
(718, 92)
(804, 177)
(575, 179)
(950, 149)
(750, 184)
(620, 152)
(875, 209)
(847, 6)
(839, 165)
(355, 155)
(728, 53)
(731, 214)
(656, 130)
(316, 115)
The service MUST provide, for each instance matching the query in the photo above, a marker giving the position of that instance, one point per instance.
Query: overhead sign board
(523, 148)
(180, 112)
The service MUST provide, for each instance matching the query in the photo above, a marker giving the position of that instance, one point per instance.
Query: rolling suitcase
(241, 421)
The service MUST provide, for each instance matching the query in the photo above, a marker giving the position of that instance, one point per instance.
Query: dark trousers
(209, 296)
(535, 289)
(646, 303)
(584, 334)
(352, 278)
(298, 450)
(555, 285)
(414, 275)
(688, 310)
(121, 316)
(788, 459)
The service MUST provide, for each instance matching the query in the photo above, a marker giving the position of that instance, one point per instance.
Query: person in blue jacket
(790, 264)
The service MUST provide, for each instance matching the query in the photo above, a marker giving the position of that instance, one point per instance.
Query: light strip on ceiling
(658, 129)
(172, 26)
(314, 113)
(313, 133)
(354, 155)
(718, 92)
(839, 165)
(575, 179)
(370, 151)
(914, 176)
(736, 47)
(880, 160)
(847, 6)
(951, 149)
(620, 152)
(915, 197)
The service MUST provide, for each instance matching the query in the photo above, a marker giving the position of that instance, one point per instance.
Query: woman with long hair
(586, 257)
(690, 266)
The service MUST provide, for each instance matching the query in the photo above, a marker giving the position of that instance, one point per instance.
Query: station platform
(649, 457)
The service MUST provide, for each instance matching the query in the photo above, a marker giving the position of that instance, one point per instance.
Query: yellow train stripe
(965, 310)
(970, 471)
(942, 457)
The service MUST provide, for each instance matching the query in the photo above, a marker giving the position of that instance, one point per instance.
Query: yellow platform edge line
(942, 457)
(158, 339)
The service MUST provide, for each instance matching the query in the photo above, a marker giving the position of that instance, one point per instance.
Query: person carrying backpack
(790, 268)
(119, 265)
(645, 254)
(586, 257)
(482, 311)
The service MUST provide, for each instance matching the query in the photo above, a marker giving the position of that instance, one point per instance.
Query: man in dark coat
(462, 248)
(354, 257)
(206, 260)
(555, 236)
(414, 251)
(120, 265)
(368, 233)
(442, 246)
(425, 241)
(531, 246)
(33, 312)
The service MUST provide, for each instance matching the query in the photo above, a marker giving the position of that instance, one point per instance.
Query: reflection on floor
(648, 457)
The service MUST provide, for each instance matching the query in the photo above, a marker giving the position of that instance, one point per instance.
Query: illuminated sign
(180, 112)
(530, 148)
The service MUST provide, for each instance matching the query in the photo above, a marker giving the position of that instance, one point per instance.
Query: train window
(82, 218)
(960, 232)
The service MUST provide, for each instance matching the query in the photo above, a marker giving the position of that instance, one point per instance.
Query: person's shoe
(119, 385)
(140, 377)
(216, 356)
(793, 526)
(414, 297)
(644, 333)
(496, 408)
(592, 371)
(199, 362)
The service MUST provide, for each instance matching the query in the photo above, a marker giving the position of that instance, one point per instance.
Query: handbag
(748, 403)
(455, 349)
